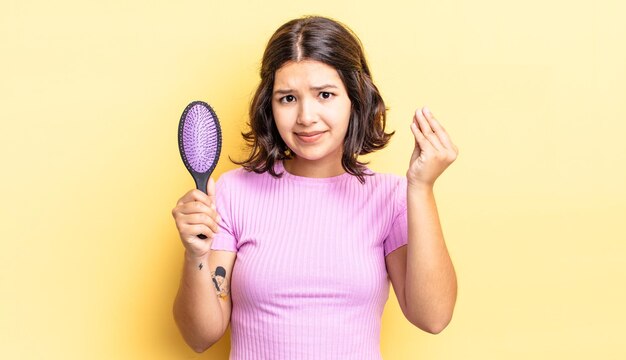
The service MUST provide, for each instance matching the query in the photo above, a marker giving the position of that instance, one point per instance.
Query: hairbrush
(199, 142)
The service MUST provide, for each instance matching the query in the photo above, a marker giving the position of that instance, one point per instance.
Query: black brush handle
(201, 181)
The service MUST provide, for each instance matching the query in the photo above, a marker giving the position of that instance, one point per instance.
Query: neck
(313, 169)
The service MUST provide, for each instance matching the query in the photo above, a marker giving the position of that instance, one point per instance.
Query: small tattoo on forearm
(219, 277)
(200, 266)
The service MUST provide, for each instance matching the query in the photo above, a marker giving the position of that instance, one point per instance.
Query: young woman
(303, 239)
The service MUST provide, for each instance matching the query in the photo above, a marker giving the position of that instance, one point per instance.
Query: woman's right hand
(195, 214)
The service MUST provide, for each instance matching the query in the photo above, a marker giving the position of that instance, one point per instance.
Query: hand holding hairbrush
(199, 142)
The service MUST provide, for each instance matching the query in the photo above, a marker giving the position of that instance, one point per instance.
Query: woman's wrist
(419, 187)
(195, 258)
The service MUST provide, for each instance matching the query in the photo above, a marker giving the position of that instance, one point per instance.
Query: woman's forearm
(431, 280)
(196, 308)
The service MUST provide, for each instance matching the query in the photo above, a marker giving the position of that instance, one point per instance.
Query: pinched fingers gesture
(433, 152)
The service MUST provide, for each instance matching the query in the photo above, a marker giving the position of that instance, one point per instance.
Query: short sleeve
(399, 231)
(225, 238)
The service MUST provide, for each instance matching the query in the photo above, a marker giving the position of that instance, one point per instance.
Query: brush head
(199, 139)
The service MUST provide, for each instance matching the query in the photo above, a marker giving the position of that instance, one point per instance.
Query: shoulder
(231, 175)
(386, 180)
(391, 187)
(240, 178)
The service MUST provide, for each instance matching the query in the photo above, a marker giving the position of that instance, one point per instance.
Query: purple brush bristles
(200, 138)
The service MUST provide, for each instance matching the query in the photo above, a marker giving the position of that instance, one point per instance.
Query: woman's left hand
(434, 151)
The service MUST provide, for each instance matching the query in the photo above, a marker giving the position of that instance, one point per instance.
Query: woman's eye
(288, 99)
(325, 95)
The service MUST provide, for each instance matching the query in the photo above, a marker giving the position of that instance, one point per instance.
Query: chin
(315, 152)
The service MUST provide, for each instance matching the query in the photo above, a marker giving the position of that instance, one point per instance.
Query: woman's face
(311, 109)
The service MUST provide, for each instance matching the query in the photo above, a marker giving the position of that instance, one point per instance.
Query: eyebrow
(318, 88)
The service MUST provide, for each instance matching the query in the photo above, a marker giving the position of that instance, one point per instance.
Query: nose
(306, 113)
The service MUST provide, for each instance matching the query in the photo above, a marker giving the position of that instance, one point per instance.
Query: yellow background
(534, 209)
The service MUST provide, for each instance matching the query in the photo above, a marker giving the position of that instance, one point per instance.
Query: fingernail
(427, 110)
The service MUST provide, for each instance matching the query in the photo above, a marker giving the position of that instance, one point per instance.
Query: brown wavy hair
(330, 42)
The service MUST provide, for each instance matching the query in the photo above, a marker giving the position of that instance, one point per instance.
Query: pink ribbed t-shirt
(309, 280)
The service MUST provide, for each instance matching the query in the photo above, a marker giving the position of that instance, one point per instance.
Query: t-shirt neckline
(280, 168)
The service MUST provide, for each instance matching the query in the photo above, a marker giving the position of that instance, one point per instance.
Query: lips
(309, 137)
(311, 133)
